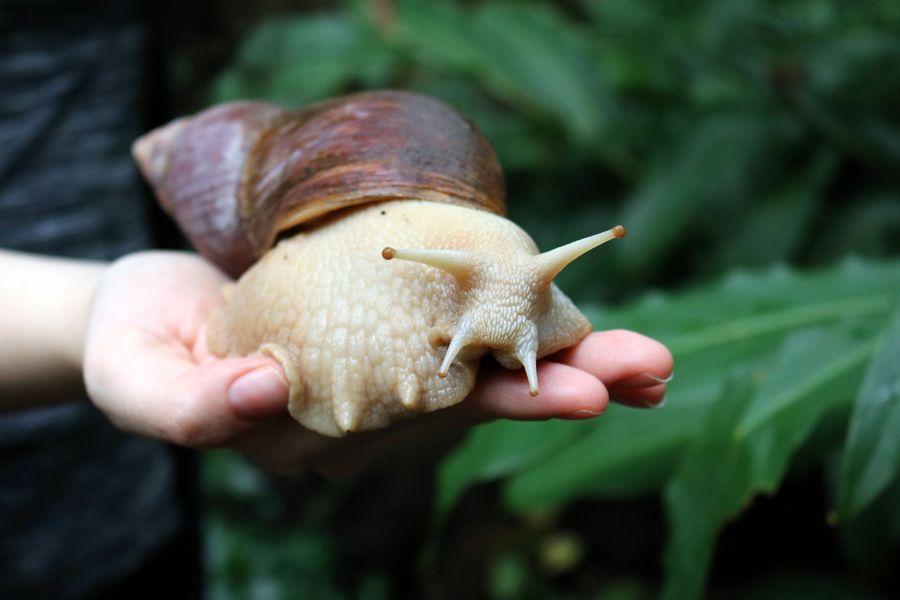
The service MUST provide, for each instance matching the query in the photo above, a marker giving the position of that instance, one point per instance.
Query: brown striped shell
(237, 175)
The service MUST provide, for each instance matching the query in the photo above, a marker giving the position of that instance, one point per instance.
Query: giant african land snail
(346, 184)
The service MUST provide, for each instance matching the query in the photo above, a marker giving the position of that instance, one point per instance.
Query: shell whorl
(236, 175)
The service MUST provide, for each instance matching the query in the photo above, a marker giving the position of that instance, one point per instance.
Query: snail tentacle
(458, 263)
(460, 340)
(526, 352)
(554, 261)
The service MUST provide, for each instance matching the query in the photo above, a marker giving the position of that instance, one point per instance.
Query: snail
(375, 262)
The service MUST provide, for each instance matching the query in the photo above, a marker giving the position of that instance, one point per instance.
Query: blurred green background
(752, 148)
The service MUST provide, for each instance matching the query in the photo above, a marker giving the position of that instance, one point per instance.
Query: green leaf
(872, 454)
(627, 452)
(710, 331)
(438, 34)
(528, 54)
(832, 368)
(713, 161)
(870, 539)
(748, 439)
(704, 490)
(750, 304)
(870, 226)
(533, 53)
(495, 450)
(295, 60)
(778, 222)
(739, 322)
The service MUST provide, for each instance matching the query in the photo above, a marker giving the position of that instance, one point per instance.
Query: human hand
(147, 367)
(146, 364)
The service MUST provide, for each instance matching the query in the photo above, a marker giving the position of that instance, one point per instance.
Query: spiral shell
(237, 175)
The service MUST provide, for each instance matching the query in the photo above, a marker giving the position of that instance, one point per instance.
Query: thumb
(218, 399)
(259, 393)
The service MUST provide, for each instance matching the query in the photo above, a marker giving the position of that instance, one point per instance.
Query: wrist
(75, 316)
(44, 312)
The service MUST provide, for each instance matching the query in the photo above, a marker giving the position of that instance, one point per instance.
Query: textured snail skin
(361, 338)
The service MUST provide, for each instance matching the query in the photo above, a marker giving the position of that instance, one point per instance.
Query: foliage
(761, 358)
(249, 515)
(775, 118)
(872, 455)
(733, 138)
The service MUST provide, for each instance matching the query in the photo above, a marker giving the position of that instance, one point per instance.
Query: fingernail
(258, 394)
(584, 413)
(643, 380)
(659, 404)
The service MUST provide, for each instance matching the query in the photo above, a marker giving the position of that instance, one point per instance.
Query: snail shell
(348, 183)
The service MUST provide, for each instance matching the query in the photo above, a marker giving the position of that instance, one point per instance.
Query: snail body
(395, 272)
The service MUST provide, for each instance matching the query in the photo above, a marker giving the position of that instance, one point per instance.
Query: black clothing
(82, 505)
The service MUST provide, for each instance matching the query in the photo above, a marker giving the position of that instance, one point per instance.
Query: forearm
(45, 304)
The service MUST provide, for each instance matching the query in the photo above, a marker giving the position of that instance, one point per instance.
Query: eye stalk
(554, 261)
(458, 263)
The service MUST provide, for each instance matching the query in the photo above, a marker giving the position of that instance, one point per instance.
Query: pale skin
(131, 334)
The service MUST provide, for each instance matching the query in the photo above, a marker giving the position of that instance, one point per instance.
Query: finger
(565, 392)
(219, 399)
(650, 397)
(625, 362)
(259, 393)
